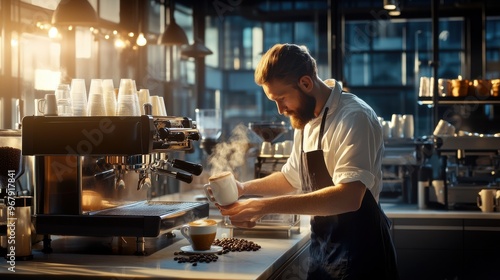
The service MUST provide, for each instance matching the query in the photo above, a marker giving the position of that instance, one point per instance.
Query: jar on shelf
(459, 87)
(482, 88)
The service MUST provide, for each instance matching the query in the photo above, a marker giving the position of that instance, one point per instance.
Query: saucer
(213, 249)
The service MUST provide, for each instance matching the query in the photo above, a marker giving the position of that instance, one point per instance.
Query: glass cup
(200, 234)
(78, 94)
(63, 97)
(95, 106)
(108, 91)
(209, 122)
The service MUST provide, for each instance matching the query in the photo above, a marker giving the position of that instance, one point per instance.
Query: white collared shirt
(352, 143)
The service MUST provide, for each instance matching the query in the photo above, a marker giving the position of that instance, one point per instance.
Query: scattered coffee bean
(236, 245)
(194, 259)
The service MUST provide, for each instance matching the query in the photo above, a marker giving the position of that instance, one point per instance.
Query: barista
(333, 173)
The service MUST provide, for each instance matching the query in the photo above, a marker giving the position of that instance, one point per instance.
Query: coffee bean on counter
(194, 259)
(236, 245)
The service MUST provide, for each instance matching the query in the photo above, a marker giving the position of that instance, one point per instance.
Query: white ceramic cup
(386, 129)
(408, 126)
(287, 147)
(443, 128)
(439, 189)
(278, 149)
(48, 105)
(200, 234)
(396, 126)
(223, 188)
(486, 200)
(266, 149)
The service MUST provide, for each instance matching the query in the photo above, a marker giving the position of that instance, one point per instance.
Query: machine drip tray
(139, 219)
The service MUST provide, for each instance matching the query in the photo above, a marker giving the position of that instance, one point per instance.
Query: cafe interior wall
(98, 57)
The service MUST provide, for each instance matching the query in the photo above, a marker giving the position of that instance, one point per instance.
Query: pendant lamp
(197, 49)
(390, 4)
(74, 12)
(173, 34)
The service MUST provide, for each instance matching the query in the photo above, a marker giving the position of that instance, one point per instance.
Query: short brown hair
(285, 62)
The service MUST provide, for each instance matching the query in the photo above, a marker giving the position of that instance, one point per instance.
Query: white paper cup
(128, 100)
(78, 94)
(95, 106)
(108, 91)
(155, 103)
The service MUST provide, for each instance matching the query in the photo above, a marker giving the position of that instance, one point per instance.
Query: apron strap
(321, 131)
(322, 128)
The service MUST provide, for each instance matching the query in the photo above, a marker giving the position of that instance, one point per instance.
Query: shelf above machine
(451, 100)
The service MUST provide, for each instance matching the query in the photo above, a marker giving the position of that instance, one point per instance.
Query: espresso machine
(93, 175)
(466, 164)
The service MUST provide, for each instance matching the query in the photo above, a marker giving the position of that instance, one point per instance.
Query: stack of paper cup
(95, 106)
(78, 94)
(163, 107)
(108, 91)
(128, 100)
(155, 103)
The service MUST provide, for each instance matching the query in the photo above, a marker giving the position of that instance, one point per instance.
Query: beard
(302, 115)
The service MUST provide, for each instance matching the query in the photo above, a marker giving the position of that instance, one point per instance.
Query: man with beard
(333, 173)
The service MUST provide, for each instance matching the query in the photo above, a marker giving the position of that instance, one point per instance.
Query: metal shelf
(447, 100)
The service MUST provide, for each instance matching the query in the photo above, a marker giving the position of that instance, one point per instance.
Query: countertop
(277, 248)
(412, 211)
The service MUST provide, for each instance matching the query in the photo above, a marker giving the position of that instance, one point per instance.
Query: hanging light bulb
(53, 32)
(141, 40)
(394, 13)
(390, 4)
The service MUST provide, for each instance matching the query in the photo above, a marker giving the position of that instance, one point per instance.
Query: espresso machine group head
(83, 167)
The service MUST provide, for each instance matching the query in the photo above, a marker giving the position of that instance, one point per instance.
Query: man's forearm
(271, 185)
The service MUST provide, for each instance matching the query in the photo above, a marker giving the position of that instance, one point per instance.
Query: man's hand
(243, 213)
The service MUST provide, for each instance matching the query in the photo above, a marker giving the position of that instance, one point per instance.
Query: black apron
(355, 245)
